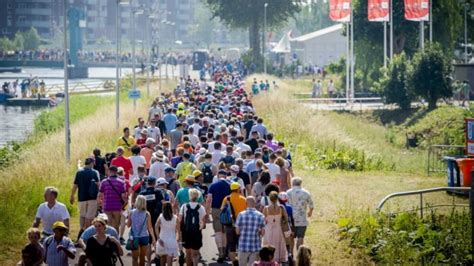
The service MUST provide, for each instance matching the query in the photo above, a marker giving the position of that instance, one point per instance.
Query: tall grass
(43, 164)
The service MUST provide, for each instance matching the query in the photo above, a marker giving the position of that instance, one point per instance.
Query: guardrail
(342, 103)
(436, 153)
(83, 87)
(424, 191)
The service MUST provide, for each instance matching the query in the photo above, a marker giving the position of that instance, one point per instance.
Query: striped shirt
(250, 222)
(112, 195)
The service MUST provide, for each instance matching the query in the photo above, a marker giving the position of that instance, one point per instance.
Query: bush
(393, 86)
(429, 77)
(407, 239)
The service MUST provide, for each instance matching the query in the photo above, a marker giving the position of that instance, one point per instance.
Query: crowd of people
(29, 87)
(200, 158)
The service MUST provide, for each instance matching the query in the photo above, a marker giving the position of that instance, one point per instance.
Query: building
(176, 19)
(321, 47)
(21, 15)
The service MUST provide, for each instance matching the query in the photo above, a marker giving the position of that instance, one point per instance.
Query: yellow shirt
(127, 145)
(237, 201)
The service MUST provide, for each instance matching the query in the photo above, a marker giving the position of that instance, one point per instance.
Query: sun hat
(190, 178)
(59, 225)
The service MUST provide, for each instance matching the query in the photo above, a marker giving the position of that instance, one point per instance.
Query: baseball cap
(149, 141)
(103, 216)
(202, 151)
(169, 169)
(161, 181)
(197, 173)
(144, 131)
(234, 186)
(190, 178)
(283, 196)
(151, 180)
(59, 225)
(235, 168)
(222, 172)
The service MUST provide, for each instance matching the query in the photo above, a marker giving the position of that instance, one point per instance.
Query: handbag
(132, 242)
(226, 214)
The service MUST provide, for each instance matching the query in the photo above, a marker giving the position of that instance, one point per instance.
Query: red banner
(378, 10)
(340, 10)
(417, 10)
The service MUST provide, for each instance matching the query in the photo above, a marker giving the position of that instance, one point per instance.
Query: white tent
(283, 45)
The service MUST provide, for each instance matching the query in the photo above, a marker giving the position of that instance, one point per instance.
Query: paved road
(208, 251)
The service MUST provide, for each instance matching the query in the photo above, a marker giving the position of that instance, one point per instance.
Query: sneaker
(122, 241)
(220, 260)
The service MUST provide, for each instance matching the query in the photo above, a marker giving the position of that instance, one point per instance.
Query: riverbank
(41, 163)
(347, 165)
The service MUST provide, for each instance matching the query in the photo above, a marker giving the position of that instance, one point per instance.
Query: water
(16, 122)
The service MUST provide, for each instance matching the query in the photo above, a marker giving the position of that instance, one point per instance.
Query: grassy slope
(338, 193)
(43, 164)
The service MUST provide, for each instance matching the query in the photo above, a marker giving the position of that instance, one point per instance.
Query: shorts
(88, 209)
(300, 231)
(232, 238)
(247, 258)
(144, 241)
(192, 240)
(216, 220)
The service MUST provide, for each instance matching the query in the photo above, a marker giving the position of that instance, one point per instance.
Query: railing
(342, 103)
(83, 87)
(436, 153)
(425, 191)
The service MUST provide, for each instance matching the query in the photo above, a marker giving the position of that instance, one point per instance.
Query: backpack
(191, 220)
(207, 173)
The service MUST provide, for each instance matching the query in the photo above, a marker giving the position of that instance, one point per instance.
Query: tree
(429, 77)
(32, 39)
(248, 14)
(19, 41)
(6, 44)
(313, 17)
(368, 36)
(393, 86)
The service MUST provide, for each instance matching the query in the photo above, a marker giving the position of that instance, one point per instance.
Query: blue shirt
(90, 231)
(52, 256)
(250, 222)
(219, 191)
(170, 122)
(182, 196)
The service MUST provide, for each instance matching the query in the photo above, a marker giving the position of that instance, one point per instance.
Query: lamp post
(264, 37)
(466, 7)
(134, 78)
(67, 131)
(118, 31)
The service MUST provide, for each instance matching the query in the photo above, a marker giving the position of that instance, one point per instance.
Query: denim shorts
(143, 241)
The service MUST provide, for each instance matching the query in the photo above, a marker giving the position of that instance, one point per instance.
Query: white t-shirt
(136, 161)
(154, 133)
(137, 132)
(216, 157)
(157, 169)
(49, 216)
(273, 170)
(194, 140)
(196, 127)
(242, 147)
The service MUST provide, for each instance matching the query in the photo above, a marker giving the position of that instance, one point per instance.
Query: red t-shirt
(123, 162)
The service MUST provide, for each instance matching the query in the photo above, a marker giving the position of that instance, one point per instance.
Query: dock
(44, 102)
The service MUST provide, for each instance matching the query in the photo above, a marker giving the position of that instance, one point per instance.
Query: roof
(318, 33)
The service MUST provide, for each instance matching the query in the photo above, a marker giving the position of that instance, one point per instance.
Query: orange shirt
(147, 153)
(237, 201)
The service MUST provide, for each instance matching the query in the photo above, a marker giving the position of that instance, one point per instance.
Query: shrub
(393, 85)
(407, 239)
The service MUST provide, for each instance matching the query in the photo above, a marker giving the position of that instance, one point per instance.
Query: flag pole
(431, 21)
(385, 44)
(391, 30)
(347, 63)
(422, 35)
(352, 53)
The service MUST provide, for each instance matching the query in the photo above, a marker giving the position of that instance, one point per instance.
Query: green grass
(41, 163)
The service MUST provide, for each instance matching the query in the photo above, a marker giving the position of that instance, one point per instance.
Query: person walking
(102, 249)
(112, 197)
(303, 206)
(168, 228)
(237, 204)
(192, 216)
(249, 227)
(141, 231)
(126, 141)
(275, 218)
(284, 175)
(50, 212)
(86, 183)
(58, 248)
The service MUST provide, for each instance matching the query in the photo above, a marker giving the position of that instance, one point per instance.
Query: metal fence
(421, 192)
(435, 163)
